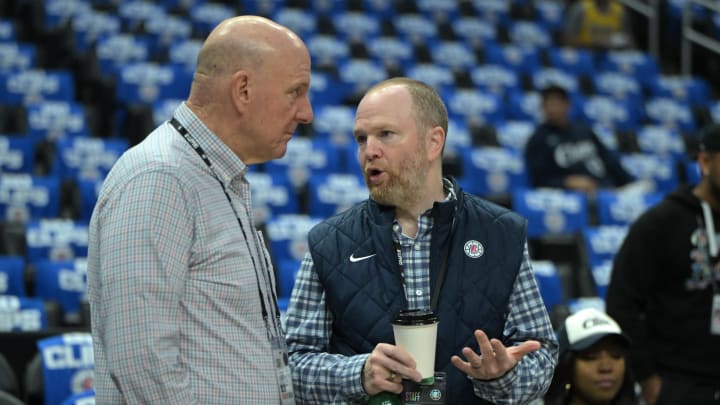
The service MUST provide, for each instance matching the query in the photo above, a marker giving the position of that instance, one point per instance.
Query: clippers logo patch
(474, 249)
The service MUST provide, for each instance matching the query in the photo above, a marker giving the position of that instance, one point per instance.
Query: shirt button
(396, 228)
(417, 246)
(418, 292)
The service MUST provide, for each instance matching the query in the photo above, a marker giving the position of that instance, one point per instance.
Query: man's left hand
(494, 359)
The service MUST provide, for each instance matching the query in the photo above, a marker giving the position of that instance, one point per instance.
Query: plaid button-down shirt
(173, 285)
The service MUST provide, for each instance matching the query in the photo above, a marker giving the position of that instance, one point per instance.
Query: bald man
(181, 288)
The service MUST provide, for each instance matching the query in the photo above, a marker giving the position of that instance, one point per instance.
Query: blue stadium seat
(519, 58)
(439, 10)
(356, 26)
(551, 211)
(415, 28)
(205, 16)
(514, 134)
(163, 109)
(575, 60)
(692, 172)
(326, 89)
(498, 79)
(452, 54)
(90, 27)
(89, 191)
(63, 282)
(550, 13)
(7, 30)
(493, 171)
(494, 11)
(361, 73)
(305, 158)
(601, 273)
(327, 50)
(32, 85)
(24, 197)
(334, 123)
(439, 77)
(88, 158)
(272, 194)
(288, 235)
(543, 77)
(82, 398)
(549, 283)
(164, 30)
(622, 208)
(287, 272)
(17, 154)
(476, 32)
(529, 33)
(602, 242)
(54, 120)
(661, 141)
(474, 107)
(115, 51)
(391, 51)
(689, 90)
(661, 171)
(636, 63)
(457, 137)
(331, 193)
(147, 82)
(22, 314)
(184, 53)
(619, 85)
(16, 57)
(58, 12)
(12, 275)
(66, 366)
(301, 22)
(619, 115)
(55, 239)
(524, 106)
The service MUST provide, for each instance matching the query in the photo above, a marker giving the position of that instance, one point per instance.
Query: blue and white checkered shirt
(309, 330)
(172, 282)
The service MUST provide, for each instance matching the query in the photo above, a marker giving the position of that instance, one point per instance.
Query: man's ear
(240, 92)
(435, 139)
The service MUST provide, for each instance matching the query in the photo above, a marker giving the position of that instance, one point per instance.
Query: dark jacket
(654, 296)
(553, 153)
(364, 295)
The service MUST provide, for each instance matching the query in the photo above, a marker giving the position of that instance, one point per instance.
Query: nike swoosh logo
(354, 259)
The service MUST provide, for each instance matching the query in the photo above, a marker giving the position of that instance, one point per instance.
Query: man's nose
(305, 113)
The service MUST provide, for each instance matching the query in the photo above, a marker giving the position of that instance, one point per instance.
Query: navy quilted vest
(363, 296)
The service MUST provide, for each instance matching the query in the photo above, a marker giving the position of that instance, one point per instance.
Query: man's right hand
(385, 369)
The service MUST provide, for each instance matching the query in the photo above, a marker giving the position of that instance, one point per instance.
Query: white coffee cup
(416, 332)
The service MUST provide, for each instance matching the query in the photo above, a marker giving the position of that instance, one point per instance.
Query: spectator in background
(566, 154)
(180, 285)
(418, 242)
(598, 25)
(593, 367)
(665, 289)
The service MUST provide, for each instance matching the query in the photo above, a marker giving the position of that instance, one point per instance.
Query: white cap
(587, 326)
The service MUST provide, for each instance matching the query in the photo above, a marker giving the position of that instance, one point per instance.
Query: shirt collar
(226, 164)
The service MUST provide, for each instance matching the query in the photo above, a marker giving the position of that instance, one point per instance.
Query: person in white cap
(593, 367)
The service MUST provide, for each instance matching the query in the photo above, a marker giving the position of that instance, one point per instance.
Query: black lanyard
(434, 290)
(199, 150)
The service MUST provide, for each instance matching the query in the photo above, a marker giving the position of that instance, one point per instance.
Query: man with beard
(418, 242)
(665, 289)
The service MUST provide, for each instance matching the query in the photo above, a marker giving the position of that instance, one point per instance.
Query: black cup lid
(415, 317)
